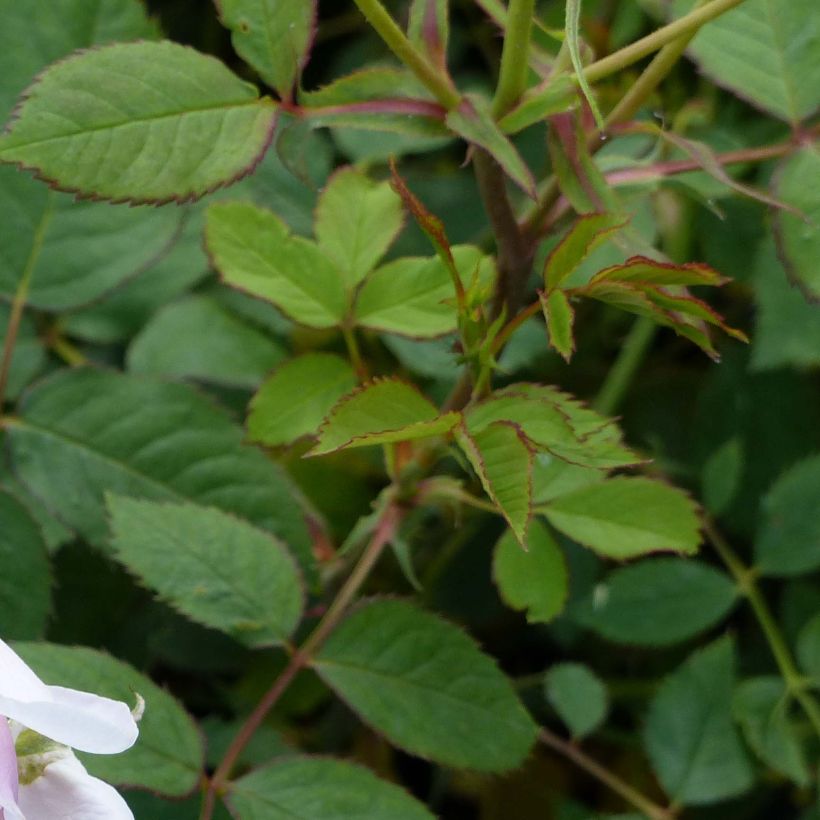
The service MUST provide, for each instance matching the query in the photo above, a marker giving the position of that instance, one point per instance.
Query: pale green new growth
(139, 122)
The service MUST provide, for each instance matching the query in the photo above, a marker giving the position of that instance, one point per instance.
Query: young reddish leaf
(580, 240)
(429, 29)
(502, 457)
(139, 122)
(640, 269)
(271, 36)
(473, 122)
(381, 412)
(560, 317)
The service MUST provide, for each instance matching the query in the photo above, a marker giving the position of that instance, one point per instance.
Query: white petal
(17, 681)
(67, 792)
(8, 775)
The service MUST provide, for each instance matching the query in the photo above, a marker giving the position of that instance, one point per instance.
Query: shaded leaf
(626, 517)
(554, 96)
(214, 568)
(426, 686)
(168, 757)
(296, 399)
(691, 741)
(271, 36)
(382, 411)
(28, 358)
(808, 648)
(142, 122)
(788, 537)
(255, 252)
(578, 695)
(356, 222)
(25, 575)
(196, 338)
(320, 789)
(658, 602)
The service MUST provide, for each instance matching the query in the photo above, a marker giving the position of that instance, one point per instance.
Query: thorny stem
(608, 778)
(512, 79)
(745, 577)
(303, 656)
(437, 82)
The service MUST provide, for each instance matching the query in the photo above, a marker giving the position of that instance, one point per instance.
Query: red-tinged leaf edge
(95, 197)
(363, 388)
(566, 353)
(691, 273)
(465, 438)
(430, 31)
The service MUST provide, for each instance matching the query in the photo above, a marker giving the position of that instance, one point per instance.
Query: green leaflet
(254, 251)
(380, 412)
(25, 574)
(60, 29)
(692, 744)
(415, 296)
(578, 695)
(808, 648)
(168, 757)
(534, 581)
(788, 538)
(473, 122)
(356, 222)
(560, 317)
(685, 598)
(139, 437)
(74, 252)
(297, 398)
(766, 51)
(216, 569)
(586, 234)
(320, 789)
(140, 122)
(502, 458)
(271, 36)
(554, 96)
(626, 517)
(424, 685)
(29, 356)
(573, 42)
(761, 707)
(799, 239)
(196, 338)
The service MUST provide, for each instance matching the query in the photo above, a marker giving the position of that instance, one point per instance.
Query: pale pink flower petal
(8, 775)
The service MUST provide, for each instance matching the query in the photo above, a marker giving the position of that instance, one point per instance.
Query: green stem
(512, 79)
(353, 351)
(623, 371)
(658, 39)
(303, 656)
(608, 778)
(437, 82)
(745, 578)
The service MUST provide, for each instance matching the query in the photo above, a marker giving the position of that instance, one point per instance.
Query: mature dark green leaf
(196, 338)
(356, 222)
(297, 398)
(415, 296)
(60, 29)
(427, 687)
(798, 239)
(271, 36)
(85, 432)
(533, 580)
(766, 51)
(658, 602)
(168, 757)
(626, 517)
(808, 648)
(761, 707)
(502, 457)
(380, 412)
(788, 538)
(140, 122)
(320, 789)
(721, 475)
(578, 695)
(692, 743)
(25, 575)
(473, 122)
(29, 356)
(218, 570)
(73, 252)
(255, 252)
